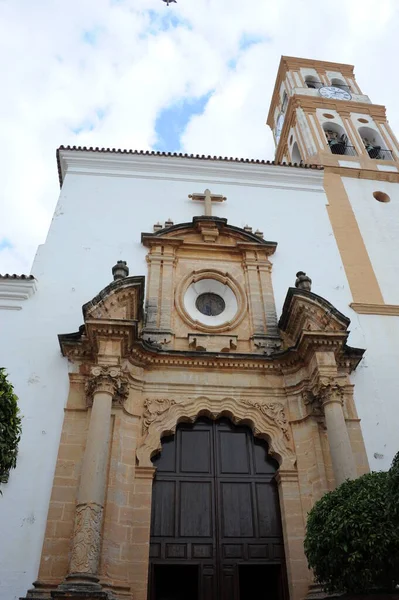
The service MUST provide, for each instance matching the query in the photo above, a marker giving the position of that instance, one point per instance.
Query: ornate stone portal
(208, 343)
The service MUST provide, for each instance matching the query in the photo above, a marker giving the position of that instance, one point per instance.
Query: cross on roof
(207, 197)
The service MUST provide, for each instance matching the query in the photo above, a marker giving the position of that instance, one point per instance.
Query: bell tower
(319, 115)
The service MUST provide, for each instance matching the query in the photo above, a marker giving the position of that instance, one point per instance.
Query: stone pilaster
(262, 308)
(298, 574)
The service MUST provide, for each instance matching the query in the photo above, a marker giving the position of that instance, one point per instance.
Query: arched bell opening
(295, 154)
(337, 139)
(340, 83)
(374, 144)
(313, 82)
(216, 528)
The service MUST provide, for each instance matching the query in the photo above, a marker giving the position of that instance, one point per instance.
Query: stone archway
(215, 521)
(266, 419)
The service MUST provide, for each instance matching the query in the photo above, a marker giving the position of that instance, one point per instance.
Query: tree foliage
(352, 539)
(393, 495)
(10, 427)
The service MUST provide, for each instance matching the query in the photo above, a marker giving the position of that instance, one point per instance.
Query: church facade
(204, 348)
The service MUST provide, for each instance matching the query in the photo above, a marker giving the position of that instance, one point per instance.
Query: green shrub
(352, 542)
(10, 427)
(393, 496)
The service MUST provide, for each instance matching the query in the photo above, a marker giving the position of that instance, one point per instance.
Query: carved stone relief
(87, 538)
(267, 420)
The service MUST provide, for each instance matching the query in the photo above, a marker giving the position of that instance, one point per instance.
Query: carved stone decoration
(267, 420)
(109, 380)
(153, 409)
(120, 270)
(275, 411)
(87, 538)
(303, 282)
(327, 389)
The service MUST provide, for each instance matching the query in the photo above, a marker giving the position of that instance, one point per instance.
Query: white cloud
(54, 82)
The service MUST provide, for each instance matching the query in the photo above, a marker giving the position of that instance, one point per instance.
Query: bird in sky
(169, 2)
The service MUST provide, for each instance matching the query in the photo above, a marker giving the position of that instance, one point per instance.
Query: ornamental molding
(108, 380)
(191, 170)
(13, 292)
(86, 539)
(266, 419)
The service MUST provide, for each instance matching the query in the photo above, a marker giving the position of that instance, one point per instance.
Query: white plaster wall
(376, 389)
(98, 220)
(379, 226)
(376, 380)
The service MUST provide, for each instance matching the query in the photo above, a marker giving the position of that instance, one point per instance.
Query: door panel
(233, 452)
(236, 508)
(195, 501)
(215, 506)
(163, 518)
(198, 458)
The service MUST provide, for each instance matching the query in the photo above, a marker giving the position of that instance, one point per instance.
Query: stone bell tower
(319, 115)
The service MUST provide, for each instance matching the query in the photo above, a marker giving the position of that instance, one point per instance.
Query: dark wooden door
(214, 511)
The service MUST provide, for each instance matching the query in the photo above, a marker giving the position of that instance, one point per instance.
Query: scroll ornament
(153, 409)
(274, 411)
(109, 380)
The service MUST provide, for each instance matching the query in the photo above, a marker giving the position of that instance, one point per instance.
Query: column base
(81, 586)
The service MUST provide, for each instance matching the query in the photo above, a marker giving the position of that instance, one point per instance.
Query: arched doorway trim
(266, 419)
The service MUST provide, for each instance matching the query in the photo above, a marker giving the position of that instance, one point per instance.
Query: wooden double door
(216, 527)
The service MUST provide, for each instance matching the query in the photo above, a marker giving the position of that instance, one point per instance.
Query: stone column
(338, 438)
(102, 389)
(328, 396)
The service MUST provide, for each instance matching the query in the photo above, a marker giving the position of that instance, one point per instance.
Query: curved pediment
(306, 311)
(113, 314)
(121, 299)
(208, 230)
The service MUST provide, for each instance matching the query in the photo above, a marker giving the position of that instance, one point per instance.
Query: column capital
(324, 391)
(107, 380)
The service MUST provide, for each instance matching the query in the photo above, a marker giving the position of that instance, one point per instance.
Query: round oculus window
(210, 304)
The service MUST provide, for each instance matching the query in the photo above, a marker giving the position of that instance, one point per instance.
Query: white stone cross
(207, 197)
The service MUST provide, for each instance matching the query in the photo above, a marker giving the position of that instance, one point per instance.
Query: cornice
(363, 308)
(356, 173)
(13, 292)
(142, 166)
(244, 239)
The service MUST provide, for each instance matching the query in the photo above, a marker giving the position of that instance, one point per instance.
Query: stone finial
(157, 227)
(120, 270)
(303, 282)
(259, 233)
(169, 223)
(248, 229)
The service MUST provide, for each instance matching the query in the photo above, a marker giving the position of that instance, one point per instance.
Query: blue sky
(194, 77)
(172, 121)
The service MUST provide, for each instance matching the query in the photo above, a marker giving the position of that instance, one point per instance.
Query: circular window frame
(361, 120)
(328, 116)
(381, 197)
(222, 284)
